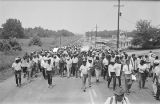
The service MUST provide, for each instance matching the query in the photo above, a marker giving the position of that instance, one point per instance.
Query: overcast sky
(79, 16)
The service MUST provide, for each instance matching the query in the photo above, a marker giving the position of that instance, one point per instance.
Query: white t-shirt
(142, 68)
(111, 69)
(75, 60)
(105, 61)
(16, 66)
(48, 67)
(24, 63)
(84, 69)
(127, 70)
(124, 101)
(117, 68)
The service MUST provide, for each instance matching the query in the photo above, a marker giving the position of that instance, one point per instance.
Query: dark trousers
(49, 76)
(24, 71)
(142, 80)
(61, 66)
(158, 91)
(74, 70)
(119, 80)
(113, 75)
(105, 72)
(43, 72)
(18, 77)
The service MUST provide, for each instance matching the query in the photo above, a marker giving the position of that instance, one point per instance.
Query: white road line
(94, 93)
(91, 97)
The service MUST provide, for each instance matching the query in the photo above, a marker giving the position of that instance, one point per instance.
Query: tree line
(13, 28)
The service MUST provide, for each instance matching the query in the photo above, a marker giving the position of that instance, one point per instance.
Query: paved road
(66, 91)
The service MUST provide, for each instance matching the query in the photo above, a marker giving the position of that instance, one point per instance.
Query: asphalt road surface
(67, 91)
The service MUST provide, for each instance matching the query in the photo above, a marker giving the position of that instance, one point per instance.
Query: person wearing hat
(128, 70)
(84, 73)
(118, 97)
(16, 67)
(142, 77)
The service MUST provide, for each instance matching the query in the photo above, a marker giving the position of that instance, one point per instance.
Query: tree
(35, 41)
(146, 35)
(12, 28)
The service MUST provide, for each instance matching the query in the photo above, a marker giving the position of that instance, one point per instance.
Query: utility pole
(119, 14)
(96, 35)
(118, 25)
(60, 40)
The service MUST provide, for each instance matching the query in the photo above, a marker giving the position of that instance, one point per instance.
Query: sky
(79, 16)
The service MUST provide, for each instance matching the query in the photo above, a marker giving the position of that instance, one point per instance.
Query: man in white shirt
(49, 68)
(90, 65)
(127, 69)
(74, 71)
(117, 68)
(118, 98)
(84, 72)
(105, 67)
(112, 74)
(68, 65)
(16, 67)
(24, 66)
(142, 77)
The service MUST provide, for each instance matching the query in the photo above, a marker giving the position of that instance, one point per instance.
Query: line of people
(72, 62)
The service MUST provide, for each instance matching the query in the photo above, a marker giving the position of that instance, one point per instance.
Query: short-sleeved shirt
(75, 60)
(127, 70)
(16, 66)
(142, 68)
(105, 61)
(124, 101)
(48, 67)
(84, 69)
(117, 68)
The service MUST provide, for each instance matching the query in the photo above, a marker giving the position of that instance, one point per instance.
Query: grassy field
(6, 60)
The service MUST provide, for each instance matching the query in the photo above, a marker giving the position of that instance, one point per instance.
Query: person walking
(84, 73)
(127, 69)
(105, 67)
(118, 70)
(90, 65)
(98, 67)
(16, 67)
(30, 68)
(68, 65)
(49, 68)
(142, 77)
(118, 97)
(74, 66)
(112, 75)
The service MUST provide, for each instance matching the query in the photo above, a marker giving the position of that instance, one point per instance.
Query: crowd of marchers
(71, 61)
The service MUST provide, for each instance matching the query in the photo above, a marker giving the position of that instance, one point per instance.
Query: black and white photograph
(79, 51)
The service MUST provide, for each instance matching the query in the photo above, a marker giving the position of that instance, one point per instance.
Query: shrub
(35, 41)
(10, 44)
